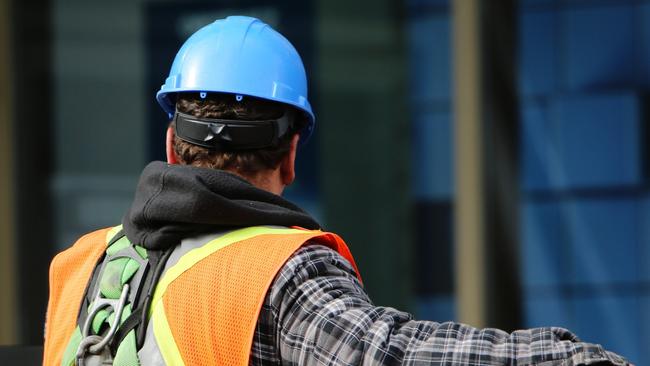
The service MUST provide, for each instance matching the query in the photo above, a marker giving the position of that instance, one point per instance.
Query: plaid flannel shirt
(317, 313)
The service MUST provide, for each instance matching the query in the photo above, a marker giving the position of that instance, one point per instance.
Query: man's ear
(169, 146)
(288, 164)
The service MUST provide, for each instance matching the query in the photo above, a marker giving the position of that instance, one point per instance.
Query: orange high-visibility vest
(205, 307)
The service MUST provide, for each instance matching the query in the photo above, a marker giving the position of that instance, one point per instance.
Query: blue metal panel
(538, 147)
(432, 156)
(645, 329)
(537, 52)
(544, 248)
(436, 308)
(644, 26)
(604, 240)
(430, 57)
(547, 310)
(644, 247)
(588, 241)
(582, 142)
(612, 321)
(600, 46)
(528, 3)
(598, 140)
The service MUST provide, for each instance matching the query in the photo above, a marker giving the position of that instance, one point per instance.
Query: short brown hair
(244, 162)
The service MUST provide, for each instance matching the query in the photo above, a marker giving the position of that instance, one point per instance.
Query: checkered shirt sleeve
(317, 313)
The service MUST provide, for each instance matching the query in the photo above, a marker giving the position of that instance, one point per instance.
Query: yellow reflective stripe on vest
(162, 331)
(164, 338)
(112, 232)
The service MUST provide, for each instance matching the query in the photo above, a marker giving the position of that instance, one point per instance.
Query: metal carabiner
(84, 345)
(95, 344)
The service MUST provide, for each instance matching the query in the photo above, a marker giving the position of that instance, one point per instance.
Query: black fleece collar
(173, 202)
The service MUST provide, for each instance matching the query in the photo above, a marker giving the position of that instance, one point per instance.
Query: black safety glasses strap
(214, 133)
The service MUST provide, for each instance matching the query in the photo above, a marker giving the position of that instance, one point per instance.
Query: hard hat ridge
(242, 56)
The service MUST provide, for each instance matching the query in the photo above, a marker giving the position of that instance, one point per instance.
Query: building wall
(584, 76)
(583, 80)
(99, 124)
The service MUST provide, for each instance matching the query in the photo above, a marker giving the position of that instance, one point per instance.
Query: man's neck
(268, 180)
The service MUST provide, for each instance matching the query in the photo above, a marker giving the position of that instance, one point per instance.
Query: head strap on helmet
(231, 134)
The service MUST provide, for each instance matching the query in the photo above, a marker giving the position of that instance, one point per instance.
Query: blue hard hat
(242, 56)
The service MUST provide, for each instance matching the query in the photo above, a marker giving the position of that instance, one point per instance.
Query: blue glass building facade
(584, 75)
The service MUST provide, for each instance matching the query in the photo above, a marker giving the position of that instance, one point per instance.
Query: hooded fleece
(173, 202)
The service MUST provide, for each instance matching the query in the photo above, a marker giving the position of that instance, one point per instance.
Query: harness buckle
(96, 344)
(85, 358)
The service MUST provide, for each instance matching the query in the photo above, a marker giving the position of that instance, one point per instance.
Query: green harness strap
(121, 273)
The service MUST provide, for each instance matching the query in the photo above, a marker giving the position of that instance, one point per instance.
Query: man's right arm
(326, 318)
